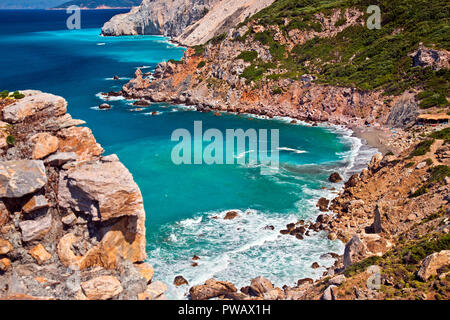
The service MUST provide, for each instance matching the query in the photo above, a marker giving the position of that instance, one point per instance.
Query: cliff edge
(72, 221)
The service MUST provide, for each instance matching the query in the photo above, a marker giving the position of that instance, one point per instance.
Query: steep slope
(191, 21)
(221, 18)
(168, 18)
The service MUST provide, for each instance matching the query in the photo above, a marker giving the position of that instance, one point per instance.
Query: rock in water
(104, 106)
(323, 204)
(335, 177)
(179, 281)
(230, 215)
(21, 177)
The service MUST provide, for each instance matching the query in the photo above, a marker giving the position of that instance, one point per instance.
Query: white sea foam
(237, 250)
(106, 98)
(292, 150)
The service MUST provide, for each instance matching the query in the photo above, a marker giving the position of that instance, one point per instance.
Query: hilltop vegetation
(358, 57)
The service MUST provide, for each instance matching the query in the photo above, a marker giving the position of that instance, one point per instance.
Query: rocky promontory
(72, 221)
(190, 22)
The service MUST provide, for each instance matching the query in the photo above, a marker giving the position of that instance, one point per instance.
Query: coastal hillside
(100, 4)
(191, 22)
(316, 61)
(72, 221)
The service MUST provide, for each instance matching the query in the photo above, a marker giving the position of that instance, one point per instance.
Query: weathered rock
(335, 177)
(332, 236)
(81, 141)
(69, 219)
(315, 265)
(4, 214)
(21, 177)
(426, 57)
(154, 291)
(305, 281)
(211, 289)
(35, 203)
(5, 247)
(5, 263)
(40, 103)
(376, 226)
(432, 263)
(60, 158)
(179, 281)
(352, 181)
(230, 215)
(102, 288)
(146, 271)
(323, 204)
(405, 111)
(374, 164)
(337, 280)
(39, 253)
(101, 189)
(36, 229)
(354, 251)
(329, 293)
(44, 144)
(104, 106)
(260, 285)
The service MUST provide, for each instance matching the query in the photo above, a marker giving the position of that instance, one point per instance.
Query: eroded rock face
(21, 177)
(260, 285)
(426, 57)
(354, 251)
(211, 289)
(44, 144)
(432, 263)
(37, 228)
(81, 141)
(89, 225)
(102, 288)
(168, 18)
(102, 189)
(39, 103)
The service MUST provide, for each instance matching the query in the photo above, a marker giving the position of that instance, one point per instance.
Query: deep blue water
(37, 52)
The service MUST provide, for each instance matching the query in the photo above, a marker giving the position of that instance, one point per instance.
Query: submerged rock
(335, 177)
(179, 281)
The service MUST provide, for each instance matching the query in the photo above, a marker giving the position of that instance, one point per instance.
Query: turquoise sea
(182, 202)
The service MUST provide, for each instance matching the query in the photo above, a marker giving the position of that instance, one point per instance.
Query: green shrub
(443, 134)
(17, 95)
(248, 56)
(201, 64)
(199, 50)
(422, 148)
(11, 140)
(439, 173)
(422, 190)
(429, 162)
(277, 90)
(4, 94)
(410, 164)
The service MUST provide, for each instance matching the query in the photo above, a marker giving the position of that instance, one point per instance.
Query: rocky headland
(72, 221)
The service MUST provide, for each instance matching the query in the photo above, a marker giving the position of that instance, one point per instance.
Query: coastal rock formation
(220, 19)
(212, 289)
(192, 22)
(167, 18)
(73, 220)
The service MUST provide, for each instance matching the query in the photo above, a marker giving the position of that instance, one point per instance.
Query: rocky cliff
(191, 22)
(72, 221)
(163, 17)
